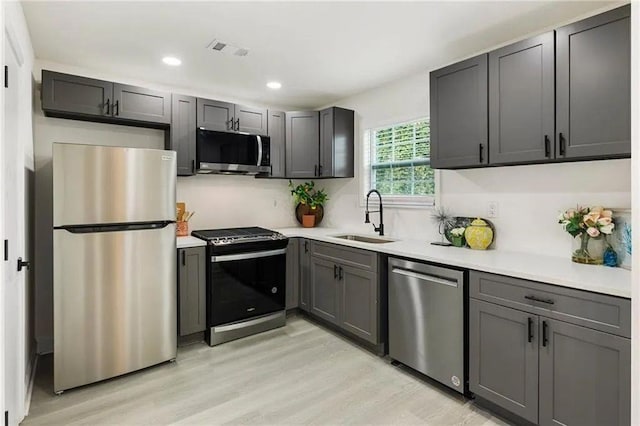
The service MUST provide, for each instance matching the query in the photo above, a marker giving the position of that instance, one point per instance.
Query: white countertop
(186, 242)
(547, 269)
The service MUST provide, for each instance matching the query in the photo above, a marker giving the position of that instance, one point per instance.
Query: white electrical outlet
(492, 209)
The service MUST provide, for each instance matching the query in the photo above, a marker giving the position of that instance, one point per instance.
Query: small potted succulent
(309, 203)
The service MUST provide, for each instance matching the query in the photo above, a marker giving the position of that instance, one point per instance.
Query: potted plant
(309, 203)
(591, 225)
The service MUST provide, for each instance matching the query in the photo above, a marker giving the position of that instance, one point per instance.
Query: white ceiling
(320, 51)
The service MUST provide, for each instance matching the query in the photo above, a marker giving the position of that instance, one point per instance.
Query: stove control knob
(274, 290)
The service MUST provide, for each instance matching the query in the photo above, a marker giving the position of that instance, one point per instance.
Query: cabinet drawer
(600, 312)
(346, 255)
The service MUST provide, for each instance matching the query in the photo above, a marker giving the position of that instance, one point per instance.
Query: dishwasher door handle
(424, 277)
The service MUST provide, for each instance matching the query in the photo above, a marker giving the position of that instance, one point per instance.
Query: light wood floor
(298, 374)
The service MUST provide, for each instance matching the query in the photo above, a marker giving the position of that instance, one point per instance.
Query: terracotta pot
(308, 220)
(303, 209)
(182, 229)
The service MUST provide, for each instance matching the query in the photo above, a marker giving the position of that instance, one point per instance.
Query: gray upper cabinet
(305, 275)
(585, 376)
(593, 86)
(183, 133)
(324, 289)
(359, 302)
(140, 104)
(215, 115)
(192, 290)
(503, 357)
(459, 117)
(250, 120)
(293, 274)
(276, 126)
(521, 101)
(302, 136)
(336, 142)
(64, 93)
(70, 96)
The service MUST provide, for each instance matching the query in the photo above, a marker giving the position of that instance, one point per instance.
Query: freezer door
(100, 184)
(114, 303)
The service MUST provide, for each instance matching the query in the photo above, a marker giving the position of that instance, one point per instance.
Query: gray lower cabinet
(551, 355)
(71, 96)
(325, 292)
(346, 291)
(140, 104)
(182, 135)
(359, 302)
(302, 137)
(192, 303)
(521, 101)
(336, 142)
(276, 127)
(305, 274)
(593, 86)
(459, 117)
(585, 376)
(503, 358)
(293, 274)
(215, 115)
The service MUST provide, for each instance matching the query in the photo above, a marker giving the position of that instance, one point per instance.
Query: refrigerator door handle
(115, 227)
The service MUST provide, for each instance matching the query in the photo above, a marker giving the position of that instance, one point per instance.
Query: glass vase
(588, 250)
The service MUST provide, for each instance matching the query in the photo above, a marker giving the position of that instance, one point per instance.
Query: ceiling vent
(222, 47)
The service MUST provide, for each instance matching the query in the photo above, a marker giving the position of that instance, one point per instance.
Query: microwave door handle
(259, 139)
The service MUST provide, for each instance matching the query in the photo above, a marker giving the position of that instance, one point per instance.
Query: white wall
(219, 201)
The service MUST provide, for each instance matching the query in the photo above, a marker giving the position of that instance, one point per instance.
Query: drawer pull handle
(530, 329)
(536, 299)
(545, 333)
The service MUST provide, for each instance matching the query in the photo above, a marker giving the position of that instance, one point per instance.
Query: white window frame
(400, 201)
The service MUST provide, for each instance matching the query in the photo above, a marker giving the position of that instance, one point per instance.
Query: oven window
(242, 289)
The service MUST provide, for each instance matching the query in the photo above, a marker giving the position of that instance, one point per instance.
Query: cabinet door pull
(335, 271)
(481, 149)
(320, 170)
(193, 166)
(108, 104)
(237, 125)
(116, 108)
(340, 273)
(229, 124)
(547, 146)
(530, 329)
(537, 299)
(184, 258)
(306, 246)
(545, 337)
(563, 142)
(315, 170)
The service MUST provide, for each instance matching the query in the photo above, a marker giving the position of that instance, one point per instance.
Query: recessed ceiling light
(170, 60)
(274, 85)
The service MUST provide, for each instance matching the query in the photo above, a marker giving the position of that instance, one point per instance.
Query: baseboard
(32, 379)
(45, 345)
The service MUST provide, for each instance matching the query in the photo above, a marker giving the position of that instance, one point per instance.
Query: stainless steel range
(245, 282)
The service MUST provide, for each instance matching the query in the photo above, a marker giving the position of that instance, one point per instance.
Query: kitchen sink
(363, 239)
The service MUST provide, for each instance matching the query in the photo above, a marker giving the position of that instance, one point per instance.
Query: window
(398, 162)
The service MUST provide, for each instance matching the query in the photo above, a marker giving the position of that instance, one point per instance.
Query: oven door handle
(245, 256)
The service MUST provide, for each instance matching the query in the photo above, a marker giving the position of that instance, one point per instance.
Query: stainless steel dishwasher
(426, 320)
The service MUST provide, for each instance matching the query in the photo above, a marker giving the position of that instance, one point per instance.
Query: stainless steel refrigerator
(114, 252)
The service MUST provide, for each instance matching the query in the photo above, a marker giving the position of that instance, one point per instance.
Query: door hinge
(6, 250)
(6, 76)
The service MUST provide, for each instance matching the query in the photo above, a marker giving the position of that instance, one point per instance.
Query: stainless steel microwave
(232, 153)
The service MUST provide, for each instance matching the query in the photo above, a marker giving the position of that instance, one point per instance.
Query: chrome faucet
(378, 229)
